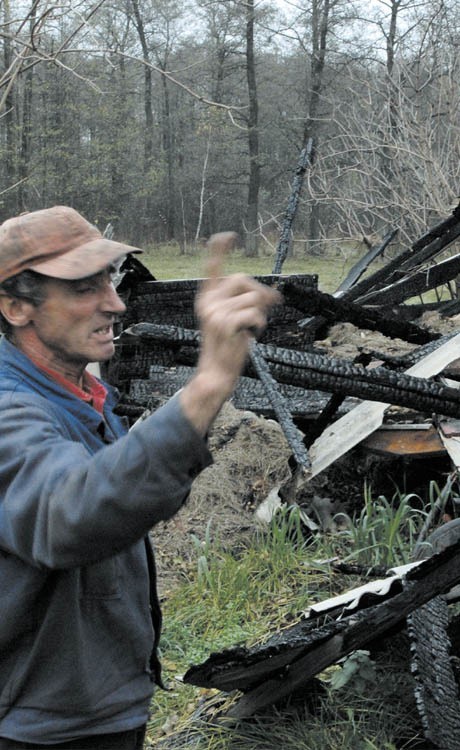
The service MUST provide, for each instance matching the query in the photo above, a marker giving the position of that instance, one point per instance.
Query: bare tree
(252, 210)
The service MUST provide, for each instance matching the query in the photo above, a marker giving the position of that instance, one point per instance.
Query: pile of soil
(250, 457)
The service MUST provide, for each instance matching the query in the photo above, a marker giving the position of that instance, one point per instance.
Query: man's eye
(86, 288)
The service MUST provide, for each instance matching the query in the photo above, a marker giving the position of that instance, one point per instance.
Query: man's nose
(112, 301)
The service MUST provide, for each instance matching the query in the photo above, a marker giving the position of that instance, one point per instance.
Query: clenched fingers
(235, 303)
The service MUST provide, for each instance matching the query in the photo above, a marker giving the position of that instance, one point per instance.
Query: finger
(219, 245)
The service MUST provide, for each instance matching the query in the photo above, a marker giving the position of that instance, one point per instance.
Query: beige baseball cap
(56, 242)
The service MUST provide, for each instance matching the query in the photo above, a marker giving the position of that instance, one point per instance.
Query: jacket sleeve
(61, 507)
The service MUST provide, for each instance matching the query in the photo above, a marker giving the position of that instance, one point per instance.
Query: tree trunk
(252, 209)
(168, 147)
(319, 30)
(9, 200)
(26, 130)
(148, 113)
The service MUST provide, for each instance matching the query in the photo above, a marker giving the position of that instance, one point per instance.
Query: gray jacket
(78, 495)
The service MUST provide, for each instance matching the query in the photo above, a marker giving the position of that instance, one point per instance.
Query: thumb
(219, 245)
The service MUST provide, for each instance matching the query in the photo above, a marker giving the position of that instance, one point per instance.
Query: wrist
(203, 397)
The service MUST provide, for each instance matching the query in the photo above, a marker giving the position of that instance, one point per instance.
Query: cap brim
(85, 260)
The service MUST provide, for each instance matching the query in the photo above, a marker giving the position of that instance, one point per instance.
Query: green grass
(234, 598)
(167, 262)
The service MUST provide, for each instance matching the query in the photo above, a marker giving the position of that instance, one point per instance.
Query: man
(78, 493)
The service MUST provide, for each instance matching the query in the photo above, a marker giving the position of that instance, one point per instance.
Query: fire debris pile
(405, 403)
(289, 376)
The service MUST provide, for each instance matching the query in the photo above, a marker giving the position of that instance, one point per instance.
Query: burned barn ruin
(396, 404)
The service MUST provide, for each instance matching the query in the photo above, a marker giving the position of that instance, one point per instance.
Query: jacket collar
(14, 362)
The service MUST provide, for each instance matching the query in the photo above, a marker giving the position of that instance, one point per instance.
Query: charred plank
(333, 309)
(305, 160)
(280, 407)
(419, 252)
(378, 384)
(416, 283)
(163, 301)
(404, 361)
(289, 659)
(358, 269)
(249, 394)
(318, 372)
(438, 230)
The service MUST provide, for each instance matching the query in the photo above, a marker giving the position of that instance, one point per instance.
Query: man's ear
(18, 312)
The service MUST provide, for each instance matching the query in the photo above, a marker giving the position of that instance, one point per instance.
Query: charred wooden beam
(404, 361)
(249, 394)
(315, 324)
(416, 310)
(333, 309)
(378, 384)
(416, 283)
(358, 269)
(434, 676)
(280, 407)
(288, 660)
(330, 411)
(165, 301)
(447, 309)
(418, 253)
(438, 230)
(305, 160)
(324, 373)
(324, 418)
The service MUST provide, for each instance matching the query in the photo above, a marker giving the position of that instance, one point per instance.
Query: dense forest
(173, 119)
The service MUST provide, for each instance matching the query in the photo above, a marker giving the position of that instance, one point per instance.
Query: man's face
(74, 324)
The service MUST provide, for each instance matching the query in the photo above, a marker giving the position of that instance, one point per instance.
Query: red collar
(93, 392)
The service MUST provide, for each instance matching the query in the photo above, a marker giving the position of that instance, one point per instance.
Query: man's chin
(105, 353)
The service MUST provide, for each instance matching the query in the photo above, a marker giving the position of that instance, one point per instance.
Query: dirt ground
(251, 459)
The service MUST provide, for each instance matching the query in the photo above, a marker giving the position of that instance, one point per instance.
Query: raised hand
(231, 310)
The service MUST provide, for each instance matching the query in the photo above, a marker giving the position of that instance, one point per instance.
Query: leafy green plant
(357, 669)
(384, 532)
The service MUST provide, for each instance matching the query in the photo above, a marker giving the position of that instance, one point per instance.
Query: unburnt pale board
(361, 421)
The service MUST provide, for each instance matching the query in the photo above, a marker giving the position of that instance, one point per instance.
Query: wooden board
(367, 417)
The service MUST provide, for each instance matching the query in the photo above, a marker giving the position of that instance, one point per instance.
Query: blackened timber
(434, 247)
(417, 309)
(404, 361)
(309, 646)
(378, 384)
(324, 418)
(161, 334)
(358, 269)
(305, 159)
(165, 301)
(409, 258)
(433, 672)
(332, 310)
(315, 371)
(280, 408)
(249, 394)
(416, 283)
(447, 309)
(438, 230)
(274, 395)
(314, 325)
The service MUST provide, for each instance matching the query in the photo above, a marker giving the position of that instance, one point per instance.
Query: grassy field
(166, 262)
